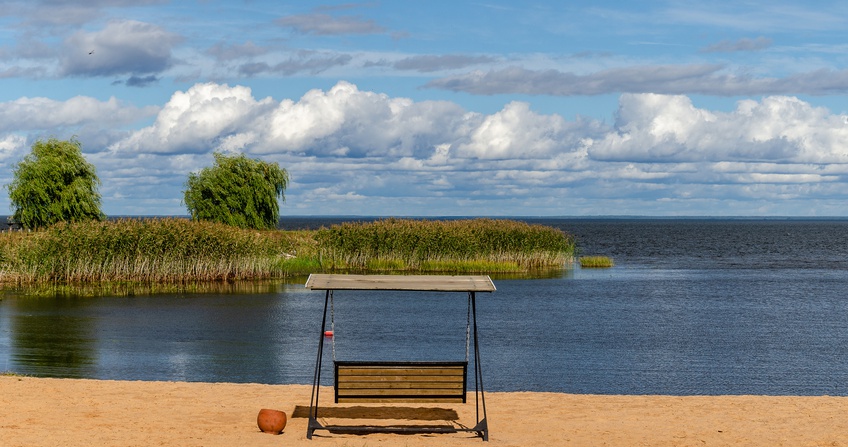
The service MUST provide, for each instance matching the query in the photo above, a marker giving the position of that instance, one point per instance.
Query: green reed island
(595, 262)
(182, 250)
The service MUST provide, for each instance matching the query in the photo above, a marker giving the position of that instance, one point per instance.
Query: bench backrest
(400, 382)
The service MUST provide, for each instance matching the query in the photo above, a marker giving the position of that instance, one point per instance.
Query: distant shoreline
(284, 220)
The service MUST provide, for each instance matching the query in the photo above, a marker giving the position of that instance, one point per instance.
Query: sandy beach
(71, 412)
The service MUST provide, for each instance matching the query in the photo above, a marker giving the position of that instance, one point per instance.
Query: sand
(71, 412)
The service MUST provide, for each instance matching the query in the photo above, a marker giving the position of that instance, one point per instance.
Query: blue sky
(437, 108)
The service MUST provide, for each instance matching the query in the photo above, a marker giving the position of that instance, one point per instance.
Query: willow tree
(54, 183)
(237, 191)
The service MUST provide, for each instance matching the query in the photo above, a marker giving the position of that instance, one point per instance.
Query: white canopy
(434, 283)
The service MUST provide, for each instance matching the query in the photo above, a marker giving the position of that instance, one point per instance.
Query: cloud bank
(327, 25)
(360, 152)
(705, 79)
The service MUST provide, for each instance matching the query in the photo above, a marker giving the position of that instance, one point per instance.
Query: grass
(131, 254)
(595, 262)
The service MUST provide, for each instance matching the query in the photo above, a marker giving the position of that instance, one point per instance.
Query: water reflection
(128, 289)
(206, 337)
(52, 337)
(241, 331)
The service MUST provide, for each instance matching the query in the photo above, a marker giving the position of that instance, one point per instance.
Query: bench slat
(399, 385)
(422, 400)
(399, 392)
(400, 381)
(412, 378)
(402, 371)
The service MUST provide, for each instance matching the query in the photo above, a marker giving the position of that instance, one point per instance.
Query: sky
(443, 108)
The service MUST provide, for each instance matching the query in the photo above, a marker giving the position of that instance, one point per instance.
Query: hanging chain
(333, 324)
(468, 328)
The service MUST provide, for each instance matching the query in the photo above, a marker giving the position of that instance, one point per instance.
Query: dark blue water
(692, 307)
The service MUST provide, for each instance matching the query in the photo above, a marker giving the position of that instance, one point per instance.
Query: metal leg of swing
(482, 427)
(316, 378)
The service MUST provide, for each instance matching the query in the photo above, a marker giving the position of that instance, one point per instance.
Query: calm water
(692, 307)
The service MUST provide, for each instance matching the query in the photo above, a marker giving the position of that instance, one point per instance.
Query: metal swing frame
(424, 283)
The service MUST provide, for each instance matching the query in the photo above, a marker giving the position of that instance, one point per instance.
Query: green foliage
(237, 191)
(450, 245)
(54, 183)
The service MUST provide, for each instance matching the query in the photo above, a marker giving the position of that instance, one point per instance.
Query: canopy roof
(430, 283)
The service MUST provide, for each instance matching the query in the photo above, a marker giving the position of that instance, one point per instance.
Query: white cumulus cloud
(200, 120)
(347, 121)
(669, 128)
(518, 132)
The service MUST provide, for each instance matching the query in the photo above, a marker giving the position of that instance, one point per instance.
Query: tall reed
(146, 250)
(175, 250)
(446, 245)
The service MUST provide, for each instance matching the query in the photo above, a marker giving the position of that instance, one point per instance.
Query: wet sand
(71, 412)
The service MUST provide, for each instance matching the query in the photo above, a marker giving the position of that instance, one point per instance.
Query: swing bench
(413, 382)
(401, 381)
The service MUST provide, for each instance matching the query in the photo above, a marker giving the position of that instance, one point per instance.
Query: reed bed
(124, 257)
(596, 262)
(142, 250)
(469, 245)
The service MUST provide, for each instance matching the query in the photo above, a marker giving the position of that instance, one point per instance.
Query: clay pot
(271, 421)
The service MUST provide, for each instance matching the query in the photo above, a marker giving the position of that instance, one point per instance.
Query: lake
(692, 307)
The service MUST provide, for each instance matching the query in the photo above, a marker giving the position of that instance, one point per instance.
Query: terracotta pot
(271, 421)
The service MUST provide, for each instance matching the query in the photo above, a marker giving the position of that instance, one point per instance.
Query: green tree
(54, 183)
(237, 191)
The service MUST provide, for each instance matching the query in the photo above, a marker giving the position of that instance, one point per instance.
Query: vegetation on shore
(180, 251)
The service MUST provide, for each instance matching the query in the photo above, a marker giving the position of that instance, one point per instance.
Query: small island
(175, 250)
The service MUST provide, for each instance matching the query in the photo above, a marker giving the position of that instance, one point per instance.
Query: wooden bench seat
(414, 382)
